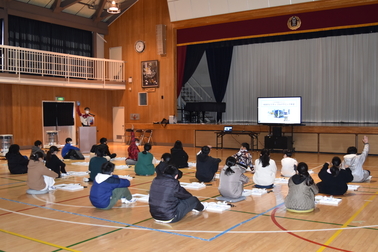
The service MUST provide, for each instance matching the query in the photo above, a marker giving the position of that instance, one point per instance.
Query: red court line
(273, 217)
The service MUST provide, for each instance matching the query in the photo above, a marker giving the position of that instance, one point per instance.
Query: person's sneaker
(204, 207)
(126, 201)
(164, 221)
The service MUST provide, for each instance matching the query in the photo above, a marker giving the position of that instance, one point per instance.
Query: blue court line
(243, 222)
(96, 218)
(146, 228)
(13, 183)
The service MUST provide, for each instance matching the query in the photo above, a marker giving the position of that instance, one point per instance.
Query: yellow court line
(32, 239)
(333, 237)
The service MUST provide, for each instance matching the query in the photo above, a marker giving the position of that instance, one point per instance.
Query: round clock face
(139, 46)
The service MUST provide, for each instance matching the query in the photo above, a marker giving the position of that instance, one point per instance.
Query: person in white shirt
(288, 164)
(265, 170)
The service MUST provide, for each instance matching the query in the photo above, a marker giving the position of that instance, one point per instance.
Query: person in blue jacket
(107, 188)
(67, 148)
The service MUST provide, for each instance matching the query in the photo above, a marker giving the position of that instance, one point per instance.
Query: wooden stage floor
(66, 221)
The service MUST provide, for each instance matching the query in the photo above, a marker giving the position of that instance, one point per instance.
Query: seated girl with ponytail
(144, 165)
(302, 190)
(232, 179)
(40, 178)
(334, 180)
(265, 170)
(53, 162)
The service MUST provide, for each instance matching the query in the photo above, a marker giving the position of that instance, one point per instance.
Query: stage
(311, 137)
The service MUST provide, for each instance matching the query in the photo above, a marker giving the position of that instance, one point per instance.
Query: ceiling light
(114, 8)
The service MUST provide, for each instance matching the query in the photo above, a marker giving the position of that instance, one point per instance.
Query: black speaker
(277, 131)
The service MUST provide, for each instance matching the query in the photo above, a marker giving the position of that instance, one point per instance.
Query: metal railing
(20, 60)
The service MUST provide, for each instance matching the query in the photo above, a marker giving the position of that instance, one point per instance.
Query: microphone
(91, 114)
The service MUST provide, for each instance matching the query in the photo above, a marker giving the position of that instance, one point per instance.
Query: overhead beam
(68, 3)
(56, 6)
(20, 9)
(99, 11)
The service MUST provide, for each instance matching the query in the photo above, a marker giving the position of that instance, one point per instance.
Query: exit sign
(59, 98)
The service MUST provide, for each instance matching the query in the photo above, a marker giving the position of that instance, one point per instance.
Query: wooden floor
(66, 221)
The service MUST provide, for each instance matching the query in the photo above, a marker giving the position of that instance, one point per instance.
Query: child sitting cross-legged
(107, 188)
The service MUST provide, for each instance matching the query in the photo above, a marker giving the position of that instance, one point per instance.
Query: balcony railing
(20, 60)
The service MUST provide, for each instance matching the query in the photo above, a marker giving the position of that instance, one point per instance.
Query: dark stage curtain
(194, 54)
(181, 56)
(219, 63)
(39, 35)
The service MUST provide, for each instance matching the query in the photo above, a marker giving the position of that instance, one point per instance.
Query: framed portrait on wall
(150, 74)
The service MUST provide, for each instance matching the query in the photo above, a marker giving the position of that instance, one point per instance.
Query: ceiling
(82, 14)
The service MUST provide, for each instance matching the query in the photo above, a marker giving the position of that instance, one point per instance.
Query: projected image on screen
(279, 110)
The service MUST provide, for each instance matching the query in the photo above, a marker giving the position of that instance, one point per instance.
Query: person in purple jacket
(107, 188)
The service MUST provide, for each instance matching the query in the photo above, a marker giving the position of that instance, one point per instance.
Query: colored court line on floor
(36, 240)
(151, 229)
(13, 183)
(243, 222)
(334, 236)
(273, 218)
(305, 220)
(14, 178)
(106, 220)
(101, 235)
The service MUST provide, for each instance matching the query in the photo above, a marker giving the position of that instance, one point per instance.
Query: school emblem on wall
(294, 23)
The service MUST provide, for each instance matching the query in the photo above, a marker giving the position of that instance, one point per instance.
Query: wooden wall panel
(139, 23)
(307, 142)
(205, 137)
(23, 108)
(6, 125)
(373, 142)
(336, 143)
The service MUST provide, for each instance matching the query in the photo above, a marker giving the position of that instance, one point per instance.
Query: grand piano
(203, 107)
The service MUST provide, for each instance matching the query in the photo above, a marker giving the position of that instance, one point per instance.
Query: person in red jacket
(133, 150)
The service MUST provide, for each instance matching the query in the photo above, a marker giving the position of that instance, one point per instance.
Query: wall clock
(140, 46)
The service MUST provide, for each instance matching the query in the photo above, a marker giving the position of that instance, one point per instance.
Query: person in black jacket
(179, 156)
(17, 163)
(165, 161)
(169, 201)
(206, 165)
(334, 180)
(103, 144)
(53, 162)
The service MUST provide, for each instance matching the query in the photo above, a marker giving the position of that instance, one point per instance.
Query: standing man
(86, 119)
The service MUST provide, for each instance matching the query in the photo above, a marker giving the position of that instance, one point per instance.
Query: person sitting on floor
(206, 165)
(144, 165)
(288, 164)
(96, 163)
(355, 162)
(334, 180)
(37, 148)
(17, 163)
(40, 178)
(107, 188)
(165, 161)
(68, 150)
(133, 150)
(179, 156)
(53, 162)
(103, 144)
(168, 200)
(244, 158)
(265, 170)
(232, 179)
(302, 190)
